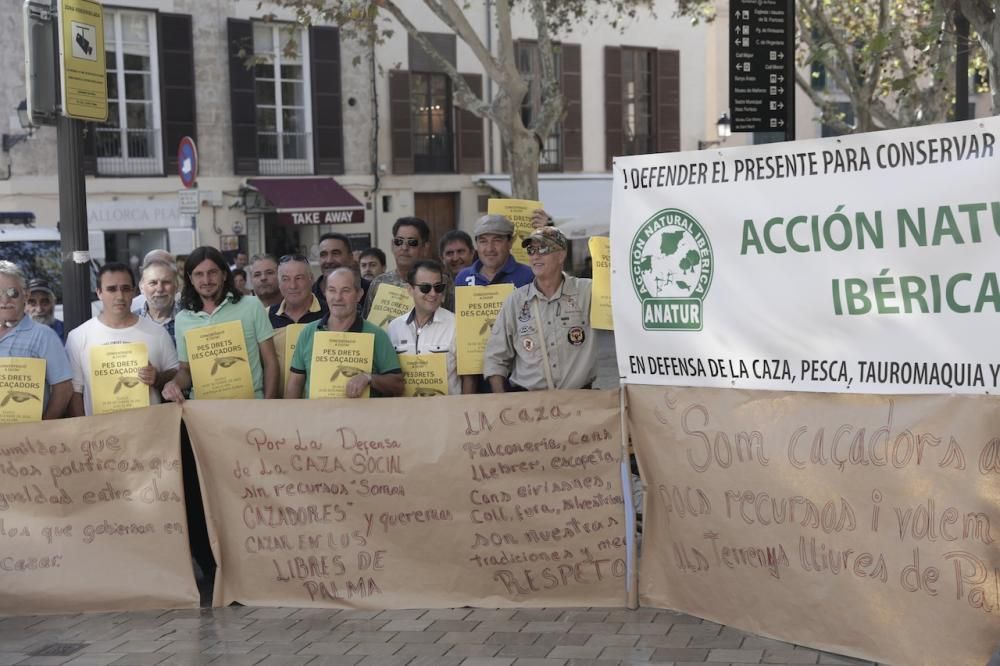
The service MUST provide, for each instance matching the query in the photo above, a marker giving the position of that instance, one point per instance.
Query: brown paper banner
(92, 515)
(506, 501)
(862, 525)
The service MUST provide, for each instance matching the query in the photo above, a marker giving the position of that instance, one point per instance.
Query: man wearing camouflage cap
(542, 338)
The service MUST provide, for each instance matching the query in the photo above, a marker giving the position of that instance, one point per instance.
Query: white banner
(854, 264)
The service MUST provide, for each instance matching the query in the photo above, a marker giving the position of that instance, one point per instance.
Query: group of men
(541, 338)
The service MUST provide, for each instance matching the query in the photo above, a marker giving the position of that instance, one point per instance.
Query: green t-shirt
(384, 361)
(250, 312)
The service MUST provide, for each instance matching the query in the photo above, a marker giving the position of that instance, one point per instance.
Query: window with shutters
(284, 108)
(637, 101)
(130, 142)
(431, 118)
(529, 63)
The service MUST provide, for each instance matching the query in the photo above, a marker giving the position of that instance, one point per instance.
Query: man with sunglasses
(21, 337)
(298, 303)
(343, 292)
(542, 338)
(115, 325)
(410, 242)
(427, 328)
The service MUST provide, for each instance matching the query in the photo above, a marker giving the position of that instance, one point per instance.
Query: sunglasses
(14, 292)
(540, 249)
(425, 288)
(410, 242)
(293, 257)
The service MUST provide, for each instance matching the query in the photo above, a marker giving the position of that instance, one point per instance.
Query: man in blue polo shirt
(21, 337)
(494, 236)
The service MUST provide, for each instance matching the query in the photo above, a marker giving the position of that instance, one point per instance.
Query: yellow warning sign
(81, 60)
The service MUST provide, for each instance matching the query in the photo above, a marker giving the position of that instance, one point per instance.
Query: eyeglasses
(293, 257)
(114, 288)
(410, 242)
(540, 249)
(14, 292)
(425, 288)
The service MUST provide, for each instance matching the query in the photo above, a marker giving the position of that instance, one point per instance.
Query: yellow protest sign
(22, 389)
(337, 357)
(285, 339)
(390, 302)
(220, 367)
(114, 377)
(519, 212)
(81, 60)
(600, 298)
(476, 310)
(424, 375)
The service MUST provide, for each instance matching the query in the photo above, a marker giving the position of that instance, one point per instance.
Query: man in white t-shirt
(115, 325)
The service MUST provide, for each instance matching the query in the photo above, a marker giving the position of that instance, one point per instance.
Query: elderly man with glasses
(21, 337)
(542, 338)
(427, 328)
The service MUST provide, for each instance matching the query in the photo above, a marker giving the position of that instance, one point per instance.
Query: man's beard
(47, 320)
(267, 292)
(160, 302)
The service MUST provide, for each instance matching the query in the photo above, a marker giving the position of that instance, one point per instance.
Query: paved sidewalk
(470, 637)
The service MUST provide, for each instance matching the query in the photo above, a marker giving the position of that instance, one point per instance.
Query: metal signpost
(762, 66)
(188, 201)
(84, 96)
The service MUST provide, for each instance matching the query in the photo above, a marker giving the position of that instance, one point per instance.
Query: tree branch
(462, 94)
(553, 101)
(453, 16)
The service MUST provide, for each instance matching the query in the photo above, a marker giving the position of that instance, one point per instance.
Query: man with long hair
(210, 297)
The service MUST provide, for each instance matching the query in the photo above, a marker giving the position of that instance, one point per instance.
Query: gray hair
(10, 269)
(156, 255)
(263, 257)
(351, 270)
(159, 263)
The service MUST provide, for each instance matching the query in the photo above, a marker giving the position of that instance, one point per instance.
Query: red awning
(309, 200)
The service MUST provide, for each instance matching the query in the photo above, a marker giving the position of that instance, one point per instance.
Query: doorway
(438, 210)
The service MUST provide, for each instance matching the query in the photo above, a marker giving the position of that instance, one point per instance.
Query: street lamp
(11, 140)
(723, 128)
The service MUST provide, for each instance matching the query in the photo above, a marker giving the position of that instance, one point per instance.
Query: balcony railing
(128, 152)
(294, 157)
